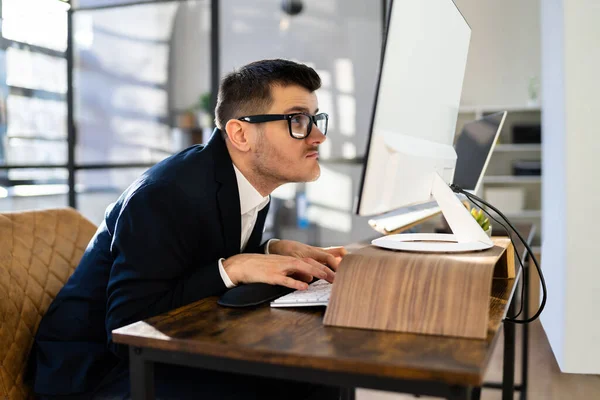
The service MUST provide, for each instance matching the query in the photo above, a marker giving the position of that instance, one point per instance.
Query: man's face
(278, 156)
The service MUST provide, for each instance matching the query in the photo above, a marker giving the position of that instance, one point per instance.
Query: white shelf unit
(522, 215)
(499, 173)
(518, 147)
(509, 179)
(480, 110)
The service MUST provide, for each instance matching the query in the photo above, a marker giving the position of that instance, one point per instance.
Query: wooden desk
(294, 344)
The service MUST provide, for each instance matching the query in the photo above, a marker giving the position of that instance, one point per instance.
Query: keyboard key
(317, 294)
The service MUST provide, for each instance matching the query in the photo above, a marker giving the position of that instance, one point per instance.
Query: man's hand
(330, 256)
(291, 272)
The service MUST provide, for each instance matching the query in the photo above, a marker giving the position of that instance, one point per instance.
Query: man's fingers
(288, 281)
(332, 261)
(330, 275)
(324, 258)
(304, 266)
(301, 276)
(336, 251)
(295, 266)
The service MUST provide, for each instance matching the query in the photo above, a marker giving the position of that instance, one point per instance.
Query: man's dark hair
(247, 91)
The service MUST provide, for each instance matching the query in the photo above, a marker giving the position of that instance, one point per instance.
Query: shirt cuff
(228, 283)
(268, 244)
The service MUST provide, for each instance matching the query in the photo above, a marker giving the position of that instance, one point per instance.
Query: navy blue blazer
(157, 249)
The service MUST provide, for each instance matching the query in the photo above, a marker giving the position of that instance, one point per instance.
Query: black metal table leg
(141, 375)
(476, 393)
(348, 394)
(461, 393)
(525, 340)
(508, 373)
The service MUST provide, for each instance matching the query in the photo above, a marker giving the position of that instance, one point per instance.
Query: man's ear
(237, 133)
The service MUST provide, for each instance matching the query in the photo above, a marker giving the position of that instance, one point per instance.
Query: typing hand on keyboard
(274, 270)
(330, 256)
(317, 294)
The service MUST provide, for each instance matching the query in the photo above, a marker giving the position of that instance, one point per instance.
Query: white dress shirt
(251, 202)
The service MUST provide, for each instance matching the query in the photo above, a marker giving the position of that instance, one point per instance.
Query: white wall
(570, 87)
(582, 67)
(504, 52)
(554, 196)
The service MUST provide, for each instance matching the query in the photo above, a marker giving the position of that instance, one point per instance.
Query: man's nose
(316, 136)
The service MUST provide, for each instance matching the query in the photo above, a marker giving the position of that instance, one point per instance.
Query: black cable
(521, 308)
(517, 253)
(472, 198)
(509, 319)
(518, 257)
(458, 189)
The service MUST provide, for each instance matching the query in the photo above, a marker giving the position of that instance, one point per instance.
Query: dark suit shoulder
(185, 166)
(190, 171)
(187, 180)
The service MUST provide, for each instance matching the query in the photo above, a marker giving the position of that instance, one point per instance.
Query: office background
(143, 74)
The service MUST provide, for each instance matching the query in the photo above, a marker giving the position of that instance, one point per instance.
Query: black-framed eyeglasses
(299, 124)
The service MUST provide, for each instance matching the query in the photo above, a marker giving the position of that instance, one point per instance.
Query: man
(190, 228)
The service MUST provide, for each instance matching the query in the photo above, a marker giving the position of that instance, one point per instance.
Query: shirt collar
(250, 198)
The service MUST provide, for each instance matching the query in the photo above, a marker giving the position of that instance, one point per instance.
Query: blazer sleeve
(260, 249)
(153, 246)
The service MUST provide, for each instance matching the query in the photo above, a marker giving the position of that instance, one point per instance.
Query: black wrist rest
(252, 294)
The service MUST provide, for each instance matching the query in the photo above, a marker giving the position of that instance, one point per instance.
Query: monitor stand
(467, 234)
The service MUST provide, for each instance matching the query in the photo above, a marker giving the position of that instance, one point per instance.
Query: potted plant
(482, 220)
(203, 108)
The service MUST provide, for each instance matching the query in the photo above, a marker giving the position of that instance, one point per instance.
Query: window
(33, 110)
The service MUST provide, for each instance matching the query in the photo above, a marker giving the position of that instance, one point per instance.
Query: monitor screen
(416, 105)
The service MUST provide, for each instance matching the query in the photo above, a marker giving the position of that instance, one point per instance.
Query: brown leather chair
(39, 250)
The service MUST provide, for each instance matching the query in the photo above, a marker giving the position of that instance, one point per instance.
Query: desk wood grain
(423, 293)
(297, 337)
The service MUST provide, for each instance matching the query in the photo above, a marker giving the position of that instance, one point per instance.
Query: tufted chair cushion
(39, 250)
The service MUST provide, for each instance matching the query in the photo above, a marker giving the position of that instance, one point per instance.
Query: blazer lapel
(228, 197)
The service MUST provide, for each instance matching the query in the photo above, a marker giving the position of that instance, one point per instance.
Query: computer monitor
(410, 157)
(474, 148)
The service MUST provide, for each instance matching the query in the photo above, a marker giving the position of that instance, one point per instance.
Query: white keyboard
(317, 294)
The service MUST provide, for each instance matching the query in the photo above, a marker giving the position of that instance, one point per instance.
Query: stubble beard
(273, 168)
